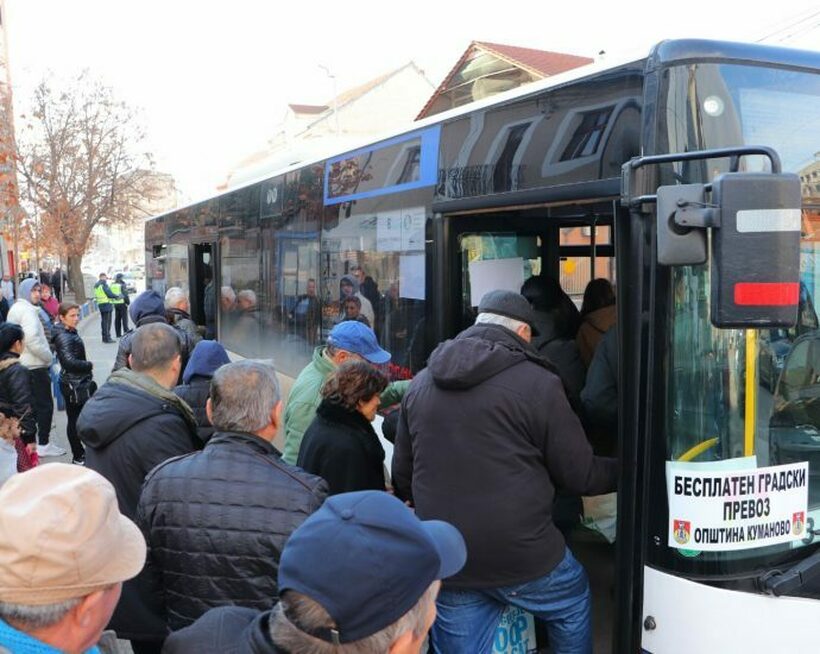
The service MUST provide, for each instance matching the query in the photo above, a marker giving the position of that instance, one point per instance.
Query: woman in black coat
(15, 384)
(76, 379)
(340, 445)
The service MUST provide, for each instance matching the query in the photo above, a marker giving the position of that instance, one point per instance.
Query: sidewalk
(102, 355)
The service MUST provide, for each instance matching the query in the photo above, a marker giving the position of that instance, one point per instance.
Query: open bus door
(204, 290)
(573, 243)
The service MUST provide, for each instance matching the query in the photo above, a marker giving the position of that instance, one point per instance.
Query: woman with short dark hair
(76, 379)
(598, 314)
(340, 445)
(15, 389)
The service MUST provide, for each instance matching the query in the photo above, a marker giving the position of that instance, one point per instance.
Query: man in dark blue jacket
(131, 424)
(485, 435)
(229, 508)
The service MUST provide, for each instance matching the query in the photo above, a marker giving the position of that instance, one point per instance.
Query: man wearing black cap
(359, 575)
(485, 436)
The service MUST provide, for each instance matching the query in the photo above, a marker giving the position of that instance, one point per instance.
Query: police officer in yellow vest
(120, 306)
(104, 296)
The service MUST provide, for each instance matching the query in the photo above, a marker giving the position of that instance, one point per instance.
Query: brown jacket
(593, 327)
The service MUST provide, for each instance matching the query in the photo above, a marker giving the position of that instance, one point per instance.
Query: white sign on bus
(712, 508)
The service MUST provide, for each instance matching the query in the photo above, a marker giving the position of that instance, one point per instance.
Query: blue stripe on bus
(428, 165)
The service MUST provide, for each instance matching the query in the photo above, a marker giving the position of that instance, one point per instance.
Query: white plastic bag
(601, 515)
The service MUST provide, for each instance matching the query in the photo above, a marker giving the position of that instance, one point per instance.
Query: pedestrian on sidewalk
(37, 357)
(50, 303)
(177, 308)
(359, 575)
(120, 305)
(347, 341)
(133, 423)
(195, 389)
(57, 281)
(76, 379)
(341, 445)
(248, 502)
(146, 309)
(105, 297)
(15, 386)
(7, 288)
(64, 552)
(485, 387)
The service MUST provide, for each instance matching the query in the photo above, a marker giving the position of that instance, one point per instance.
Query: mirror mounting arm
(690, 215)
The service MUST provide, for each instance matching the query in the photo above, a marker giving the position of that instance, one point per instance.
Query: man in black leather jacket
(229, 508)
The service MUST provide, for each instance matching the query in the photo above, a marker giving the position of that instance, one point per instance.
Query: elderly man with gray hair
(178, 312)
(229, 508)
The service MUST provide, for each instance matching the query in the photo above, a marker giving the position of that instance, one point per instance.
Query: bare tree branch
(79, 158)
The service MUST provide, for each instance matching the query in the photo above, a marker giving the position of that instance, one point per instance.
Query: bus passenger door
(203, 294)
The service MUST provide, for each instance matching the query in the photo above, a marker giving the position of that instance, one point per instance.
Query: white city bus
(714, 260)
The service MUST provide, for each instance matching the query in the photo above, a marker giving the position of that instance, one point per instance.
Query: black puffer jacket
(196, 393)
(186, 344)
(226, 630)
(71, 353)
(342, 448)
(216, 522)
(485, 436)
(15, 394)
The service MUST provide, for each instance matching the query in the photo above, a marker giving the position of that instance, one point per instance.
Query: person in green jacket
(347, 341)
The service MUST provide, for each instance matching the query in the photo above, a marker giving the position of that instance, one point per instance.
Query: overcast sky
(213, 78)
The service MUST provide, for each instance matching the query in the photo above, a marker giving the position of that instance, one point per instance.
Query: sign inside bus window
(401, 230)
(712, 508)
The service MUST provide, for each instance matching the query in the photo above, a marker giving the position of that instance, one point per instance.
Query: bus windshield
(711, 414)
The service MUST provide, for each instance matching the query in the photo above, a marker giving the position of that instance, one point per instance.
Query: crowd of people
(183, 528)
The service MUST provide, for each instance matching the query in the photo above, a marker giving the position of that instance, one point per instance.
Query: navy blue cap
(358, 338)
(367, 560)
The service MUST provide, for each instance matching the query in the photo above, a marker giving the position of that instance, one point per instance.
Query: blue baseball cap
(358, 338)
(367, 560)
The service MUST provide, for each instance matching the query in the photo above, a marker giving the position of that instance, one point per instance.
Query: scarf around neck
(133, 379)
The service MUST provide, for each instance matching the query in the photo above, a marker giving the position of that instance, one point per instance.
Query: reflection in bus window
(379, 259)
(706, 395)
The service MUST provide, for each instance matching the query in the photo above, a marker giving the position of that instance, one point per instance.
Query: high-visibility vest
(116, 289)
(100, 296)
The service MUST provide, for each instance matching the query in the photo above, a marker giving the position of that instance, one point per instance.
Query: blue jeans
(468, 618)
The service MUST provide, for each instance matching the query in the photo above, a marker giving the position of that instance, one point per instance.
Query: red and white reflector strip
(768, 220)
(767, 294)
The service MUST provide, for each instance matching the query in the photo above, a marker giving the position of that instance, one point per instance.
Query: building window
(504, 176)
(410, 171)
(587, 136)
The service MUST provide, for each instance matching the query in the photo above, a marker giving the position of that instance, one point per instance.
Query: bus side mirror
(756, 250)
(754, 220)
